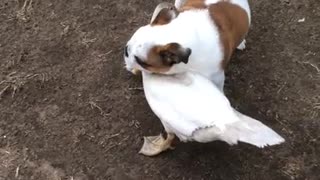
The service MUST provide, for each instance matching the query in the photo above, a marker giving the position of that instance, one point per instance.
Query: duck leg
(154, 145)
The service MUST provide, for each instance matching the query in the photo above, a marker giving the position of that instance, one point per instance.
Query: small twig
(113, 136)
(317, 106)
(118, 144)
(86, 41)
(12, 73)
(105, 54)
(281, 88)
(114, 145)
(17, 172)
(4, 90)
(4, 81)
(4, 151)
(29, 6)
(15, 88)
(124, 139)
(136, 88)
(314, 66)
(135, 123)
(30, 76)
(93, 104)
(24, 4)
(43, 78)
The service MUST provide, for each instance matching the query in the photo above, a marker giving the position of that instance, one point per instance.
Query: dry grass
(24, 13)
(136, 89)
(85, 39)
(135, 123)
(8, 159)
(15, 81)
(94, 105)
(117, 144)
(312, 65)
(317, 106)
(293, 168)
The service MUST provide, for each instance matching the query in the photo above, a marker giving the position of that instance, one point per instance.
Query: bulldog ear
(163, 14)
(174, 53)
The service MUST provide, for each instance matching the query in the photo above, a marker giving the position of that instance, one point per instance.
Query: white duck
(192, 108)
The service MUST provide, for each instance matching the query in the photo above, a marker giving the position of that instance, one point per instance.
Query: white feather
(194, 109)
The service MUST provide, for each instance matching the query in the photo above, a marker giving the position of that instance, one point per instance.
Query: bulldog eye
(126, 51)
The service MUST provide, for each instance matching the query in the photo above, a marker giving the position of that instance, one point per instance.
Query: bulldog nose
(126, 51)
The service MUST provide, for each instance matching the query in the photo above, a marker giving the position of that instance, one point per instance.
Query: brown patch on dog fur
(155, 61)
(161, 58)
(233, 24)
(193, 4)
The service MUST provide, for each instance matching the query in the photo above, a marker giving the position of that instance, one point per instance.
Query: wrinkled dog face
(149, 49)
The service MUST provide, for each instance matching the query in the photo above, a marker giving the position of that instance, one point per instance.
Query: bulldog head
(150, 49)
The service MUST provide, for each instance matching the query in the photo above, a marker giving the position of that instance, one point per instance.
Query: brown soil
(69, 109)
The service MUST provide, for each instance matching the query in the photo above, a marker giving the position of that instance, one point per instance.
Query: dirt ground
(70, 111)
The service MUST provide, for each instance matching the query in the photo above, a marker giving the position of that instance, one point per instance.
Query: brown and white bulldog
(193, 35)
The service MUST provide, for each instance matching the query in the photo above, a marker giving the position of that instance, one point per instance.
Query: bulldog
(191, 36)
